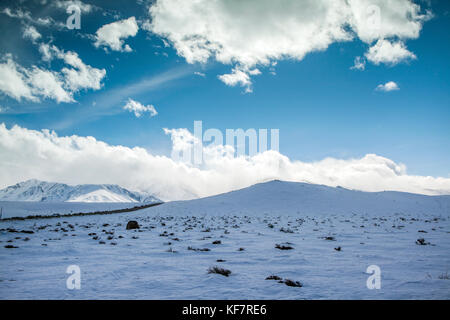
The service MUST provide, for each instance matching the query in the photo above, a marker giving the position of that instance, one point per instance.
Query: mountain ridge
(43, 191)
(304, 198)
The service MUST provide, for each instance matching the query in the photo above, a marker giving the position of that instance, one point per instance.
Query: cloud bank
(26, 154)
(251, 33)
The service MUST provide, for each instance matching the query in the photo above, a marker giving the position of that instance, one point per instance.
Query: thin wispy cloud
(109, 102)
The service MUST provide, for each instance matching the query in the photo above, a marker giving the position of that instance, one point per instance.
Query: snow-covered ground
(23, 209)
(155, 262)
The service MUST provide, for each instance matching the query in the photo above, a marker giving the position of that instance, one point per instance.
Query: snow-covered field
(12, 209)
(162, 260)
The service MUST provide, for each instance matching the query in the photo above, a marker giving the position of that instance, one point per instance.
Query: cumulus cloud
(48, 84)
(31, 33)
(35, 83)
(138, 108)
(239, 77)
(388, 52)
(31, 84)
(388, 86)
(251, 33)
(13, 80)
(112, 35)
(81, 75)
(26, 154)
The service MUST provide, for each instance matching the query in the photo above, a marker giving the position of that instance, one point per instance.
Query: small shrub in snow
(273, 277)
(283, 247)
(292, 283)
(219, 270)
(422, 242)
(198, 249)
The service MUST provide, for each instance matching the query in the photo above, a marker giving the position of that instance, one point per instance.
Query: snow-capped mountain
(41, 191)
(296, 198)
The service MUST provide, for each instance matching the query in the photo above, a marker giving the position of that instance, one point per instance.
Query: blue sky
(322, 107)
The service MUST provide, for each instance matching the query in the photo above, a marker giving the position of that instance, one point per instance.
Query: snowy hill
(327, 233)
(41, 191)
(280, 197)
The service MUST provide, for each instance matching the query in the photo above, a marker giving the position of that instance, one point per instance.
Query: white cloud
(64, 4)
(251, 33)
(388, 52)
(35, 83)
(26, 154)
(81, 76)
(237, 77)
(388, 86)
(25, 16)
(200, 74)
(139, 109)
(378, 19)
(13, 80)
(112, 35)
(359, 64)
(31, 33)
(48, 84)
(46, 51)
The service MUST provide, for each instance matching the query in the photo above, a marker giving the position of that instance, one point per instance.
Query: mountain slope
(279, 197)
(41, 191)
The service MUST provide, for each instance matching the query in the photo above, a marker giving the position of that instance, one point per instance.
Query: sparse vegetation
(292, 283)
(422, 242)
(218, 270)
(283, 247)
(198, 249)
(286, 230)
(274, 277)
